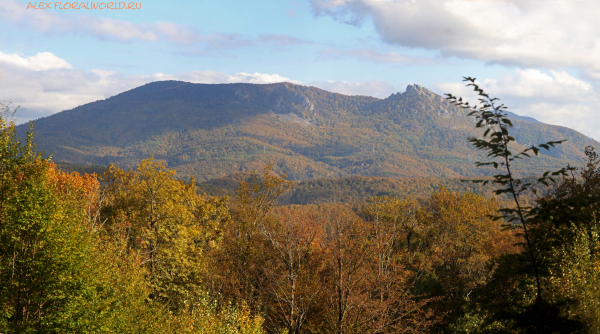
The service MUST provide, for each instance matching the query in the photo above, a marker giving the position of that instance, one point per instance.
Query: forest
(142, 250)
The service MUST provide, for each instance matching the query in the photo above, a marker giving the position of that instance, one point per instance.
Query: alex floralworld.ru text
(84, 5)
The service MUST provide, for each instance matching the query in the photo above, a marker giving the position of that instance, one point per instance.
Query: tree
(539, 316)
(345, 274)
(48, 257)
(68, 266)
(397, 238)
(168, 223)
(372, 266)
(568, 216)
(464, 240)
(574, 202)
(35, 230)
(496, 141)
(246, 254)
(464, 245)
(293, 269)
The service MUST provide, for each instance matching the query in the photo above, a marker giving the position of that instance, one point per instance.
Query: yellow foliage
(578, 277)
(168, 223)
(464, 239)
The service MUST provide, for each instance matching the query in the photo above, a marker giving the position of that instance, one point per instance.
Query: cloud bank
(549, 34)
(553, 97)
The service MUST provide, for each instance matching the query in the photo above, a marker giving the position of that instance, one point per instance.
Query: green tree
(577, 275)
(569, 216)
(44, 245)
(530, 316)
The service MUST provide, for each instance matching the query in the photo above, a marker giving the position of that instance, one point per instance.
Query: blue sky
(541, 57)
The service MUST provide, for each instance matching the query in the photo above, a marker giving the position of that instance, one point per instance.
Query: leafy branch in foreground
(496, 141)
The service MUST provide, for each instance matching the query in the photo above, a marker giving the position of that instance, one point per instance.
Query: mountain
(512, 115)
(210, 131)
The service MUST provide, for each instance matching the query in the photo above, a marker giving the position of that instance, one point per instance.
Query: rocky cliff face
(280, 99)
(435, 103)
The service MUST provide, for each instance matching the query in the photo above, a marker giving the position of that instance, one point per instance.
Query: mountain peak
(419, 90)
(416, 90)
(415, 87)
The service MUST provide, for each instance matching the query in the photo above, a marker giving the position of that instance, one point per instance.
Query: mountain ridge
(210, 131)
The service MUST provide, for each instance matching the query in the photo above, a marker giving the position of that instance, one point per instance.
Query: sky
(540, 57)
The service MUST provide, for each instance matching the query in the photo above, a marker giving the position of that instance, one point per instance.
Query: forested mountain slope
(210, 131)
(353, 189)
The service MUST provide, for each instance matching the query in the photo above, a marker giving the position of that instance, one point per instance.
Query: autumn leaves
(384, 266)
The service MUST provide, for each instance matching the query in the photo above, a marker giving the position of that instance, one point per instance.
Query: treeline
(360, 188)
(336, 189)
(81, 169)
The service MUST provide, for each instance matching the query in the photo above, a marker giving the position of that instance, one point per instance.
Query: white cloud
(552, 34)
(40, 62)
(45, 84)
(212, 77)
(553, 97)
(376, 88)
(533, 85)
(258, 78)
(281, 40)
(99, 27)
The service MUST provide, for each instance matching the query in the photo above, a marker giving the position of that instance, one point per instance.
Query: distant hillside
(81, 169)
(522, 118)
(210, 131)
(355, 188)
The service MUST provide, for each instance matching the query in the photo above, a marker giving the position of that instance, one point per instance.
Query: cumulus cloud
(532, 84)
(104, 28)
(552, 34)
(376, 88)
(40, 62)
(553, 97)
(557, 86)
(45, 84)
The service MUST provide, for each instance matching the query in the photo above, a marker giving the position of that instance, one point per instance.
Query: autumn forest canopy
(288, 209)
